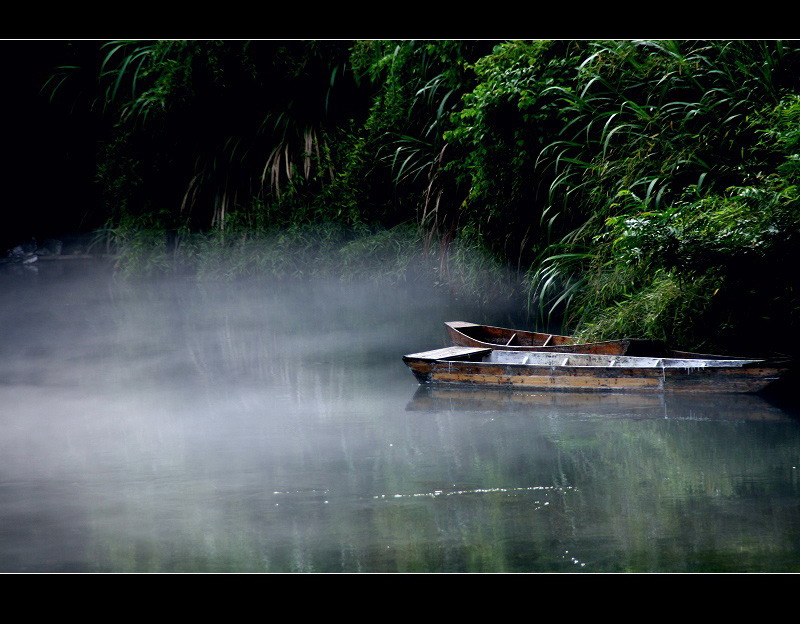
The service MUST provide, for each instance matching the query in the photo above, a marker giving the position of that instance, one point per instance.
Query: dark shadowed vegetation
(621, 188)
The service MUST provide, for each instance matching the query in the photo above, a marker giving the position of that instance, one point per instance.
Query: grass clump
(329, 250)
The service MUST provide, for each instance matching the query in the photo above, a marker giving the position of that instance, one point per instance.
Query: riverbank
(641, 188)
(461, 266)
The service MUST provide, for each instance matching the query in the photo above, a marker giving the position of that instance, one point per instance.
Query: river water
(170, 426)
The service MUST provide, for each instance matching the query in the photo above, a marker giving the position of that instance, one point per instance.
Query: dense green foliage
(645, 188)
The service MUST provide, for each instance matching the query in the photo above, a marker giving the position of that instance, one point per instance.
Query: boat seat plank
(449, 352)
(461, 324)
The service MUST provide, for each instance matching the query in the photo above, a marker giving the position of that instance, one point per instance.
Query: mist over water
(175, 426)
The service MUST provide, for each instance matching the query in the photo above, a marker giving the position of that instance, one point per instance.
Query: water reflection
(169, 426)
(610, 404)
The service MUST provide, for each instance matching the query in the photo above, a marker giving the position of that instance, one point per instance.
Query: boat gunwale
(660, 362)
(746, 365)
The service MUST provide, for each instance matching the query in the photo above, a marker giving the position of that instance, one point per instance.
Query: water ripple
(436, 493)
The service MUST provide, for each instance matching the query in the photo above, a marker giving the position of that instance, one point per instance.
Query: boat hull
(591, 375)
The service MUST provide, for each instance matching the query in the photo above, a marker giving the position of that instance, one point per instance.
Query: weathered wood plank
(448, 352)
(461, 324)
(547, 381)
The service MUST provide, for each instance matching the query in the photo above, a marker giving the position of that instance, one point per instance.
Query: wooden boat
(466, 334)
(477, 366)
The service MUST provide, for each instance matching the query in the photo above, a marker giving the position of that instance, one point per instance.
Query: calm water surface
(167, 426)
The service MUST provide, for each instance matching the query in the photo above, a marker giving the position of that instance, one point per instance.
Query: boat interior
(510, 337)
(534, 358)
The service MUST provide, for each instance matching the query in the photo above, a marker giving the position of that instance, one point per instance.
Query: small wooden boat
(484, 367)
(466, 334)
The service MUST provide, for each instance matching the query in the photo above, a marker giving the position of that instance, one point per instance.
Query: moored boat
(464, 334)
(495, 368)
